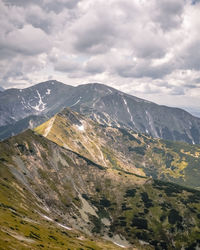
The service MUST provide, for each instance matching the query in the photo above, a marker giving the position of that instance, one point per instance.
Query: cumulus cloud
(168, 13)
(150, 46)
(27, 40)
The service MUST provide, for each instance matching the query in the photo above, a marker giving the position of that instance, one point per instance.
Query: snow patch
(81, 238)
(119, 245)
(81, 127)
(118, 240)
(41, 105)
(21, 238)
(23, 102)
(68, 228)
(46, 217)
(76, 102)
(13, 118)
(151, 123)
(48, 92)
(128, 110)
(31, 124)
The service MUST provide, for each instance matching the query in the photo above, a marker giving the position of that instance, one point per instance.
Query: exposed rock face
(55, 197)
(101, 103)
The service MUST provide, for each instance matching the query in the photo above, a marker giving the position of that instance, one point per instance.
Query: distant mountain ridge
(1, 89)
(99, 102)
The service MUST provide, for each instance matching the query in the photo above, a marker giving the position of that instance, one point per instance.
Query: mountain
(1, 89)
(125, 150)
(119, 109)
(40, 99)
(101, 103)
(54, 198)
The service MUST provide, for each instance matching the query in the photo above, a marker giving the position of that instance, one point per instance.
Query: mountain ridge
(60, 193)
(124, 150)
(104, 104)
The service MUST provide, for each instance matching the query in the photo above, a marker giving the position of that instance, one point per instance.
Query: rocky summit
(27, 108)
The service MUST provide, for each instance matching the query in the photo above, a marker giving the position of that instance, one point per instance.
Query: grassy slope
(72, 188)
(121, 149)
(21, 223)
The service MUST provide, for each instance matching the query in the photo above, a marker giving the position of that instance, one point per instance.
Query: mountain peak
(49, 83)
(72, 116)
(98, 86)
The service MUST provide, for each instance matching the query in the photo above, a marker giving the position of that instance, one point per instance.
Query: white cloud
(27, 40)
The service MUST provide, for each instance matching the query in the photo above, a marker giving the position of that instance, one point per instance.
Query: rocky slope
(125, 150)
(54, 198)
(101, 103)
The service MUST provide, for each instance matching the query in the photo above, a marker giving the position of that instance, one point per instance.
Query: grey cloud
(94, 38)
(197, 80)
(94, 67)
(191, 86)
(6, 53)
(143, 69)
(177, 91)
(22, 2)
(27, 41)
(153, 47)
(49, 5)
(18, 70)
(67, 65)
(96, 31)
(191, 56)
(168, 13)
(38, 19)
(58, 5)
(163, 84)
(195, 1)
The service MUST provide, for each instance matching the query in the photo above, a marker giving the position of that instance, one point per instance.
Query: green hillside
(47, 190)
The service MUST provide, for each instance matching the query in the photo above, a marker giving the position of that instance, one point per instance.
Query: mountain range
(1, 89)
(27, 108)
(96, 171)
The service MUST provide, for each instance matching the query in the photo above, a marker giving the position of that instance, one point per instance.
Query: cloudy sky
(150, 49)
